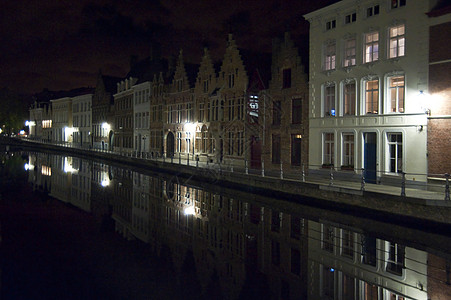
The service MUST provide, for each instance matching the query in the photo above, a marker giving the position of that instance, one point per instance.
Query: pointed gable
(233, 73)
(206, 77)
(180, 80)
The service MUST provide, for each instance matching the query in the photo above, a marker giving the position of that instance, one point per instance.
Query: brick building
(438, 100)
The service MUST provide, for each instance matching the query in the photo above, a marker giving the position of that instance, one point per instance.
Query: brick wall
(439, 143)
(439, 287)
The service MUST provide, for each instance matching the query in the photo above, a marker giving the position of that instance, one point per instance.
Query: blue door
(369, 157)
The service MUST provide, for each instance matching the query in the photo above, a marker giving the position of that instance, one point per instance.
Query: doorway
(369, 157)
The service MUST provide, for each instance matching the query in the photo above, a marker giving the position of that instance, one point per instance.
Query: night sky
(61, 45)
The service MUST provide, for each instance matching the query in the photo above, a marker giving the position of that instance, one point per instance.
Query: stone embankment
(419, 208)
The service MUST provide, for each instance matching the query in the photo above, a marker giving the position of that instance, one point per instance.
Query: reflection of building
(81, 184)
(346, 264)
(368, 66)
(61, 179)
(39, 171)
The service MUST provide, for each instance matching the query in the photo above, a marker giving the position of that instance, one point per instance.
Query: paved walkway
(435, 197)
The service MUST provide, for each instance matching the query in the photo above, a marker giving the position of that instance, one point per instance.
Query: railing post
(447, 187)
(331, 176)
(187, 160)
(180, 158)
(164, 159)
(172, 158)
(263, 168)
(281, 170)
(231, 166)
(303, 173)
(403, 185)
(245, 166)
(362, 184)
(197, 163)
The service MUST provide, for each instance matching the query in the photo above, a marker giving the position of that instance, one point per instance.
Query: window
(201, 112)
(348, 287)
(296, 141)
(205, 86)
(276, 112)
(295, 261)
(396, 94)
(329, 100)
(328, 149)
(331, 24)
(275, 221)
(349, 98)
(371, 47)
(347, 243)
(328, 238)
(328, 290)
(372, 96)
(329, 56)
(286, 78)
(231, 80)
(348, 149)
(394, 152)
(350, 18)
(231, 139)
(296, 111)
(276, 149)
(275, 253)
(398, 3)
(397, 41)
(368, 250)
(349, 55)
(396, 257)
(240, 143)
(296, 228)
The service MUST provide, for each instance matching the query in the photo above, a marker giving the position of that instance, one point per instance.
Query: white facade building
(82, 118)
(368, 69)
(141, 117)
(62, 131)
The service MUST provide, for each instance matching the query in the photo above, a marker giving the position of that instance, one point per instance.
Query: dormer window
(179, 84)
(398, 3)
(351, 18)
(231, 80)
(372, 11)
(331, 24)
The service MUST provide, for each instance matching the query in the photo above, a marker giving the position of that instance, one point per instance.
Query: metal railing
(354, 178)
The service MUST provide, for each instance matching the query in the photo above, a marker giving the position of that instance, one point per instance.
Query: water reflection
(234, 245)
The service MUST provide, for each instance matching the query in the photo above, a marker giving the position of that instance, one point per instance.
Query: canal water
(79, 229)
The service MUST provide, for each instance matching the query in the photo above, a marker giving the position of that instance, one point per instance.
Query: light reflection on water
(195, 240)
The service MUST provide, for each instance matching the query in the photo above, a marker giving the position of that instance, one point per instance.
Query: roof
(46, 95)
(442, 8)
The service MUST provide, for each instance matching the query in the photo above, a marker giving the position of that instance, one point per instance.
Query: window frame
(369, 54)
(396, 105)
(374, 92)
(329, 100)
(394, 151)
(349, 105)
(330, 56)
(348, 159)
(328, 141)
(398, 50)
(352, 58)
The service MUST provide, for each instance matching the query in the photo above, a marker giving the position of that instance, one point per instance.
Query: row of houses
(376, 97)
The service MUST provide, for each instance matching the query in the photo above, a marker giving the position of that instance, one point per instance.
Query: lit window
(371, 47)
(349, 98)
(349, 57)
(397, 41)
(398, 3)
(372, 96)
(396, 94)
(328, 149)
(394, 141)
(329, 100)
(329, 56)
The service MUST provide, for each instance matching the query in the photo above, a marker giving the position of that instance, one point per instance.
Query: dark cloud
(62, 44)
